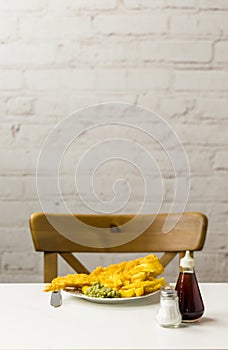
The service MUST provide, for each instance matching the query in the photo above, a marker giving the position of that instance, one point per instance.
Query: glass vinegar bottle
(190, 299)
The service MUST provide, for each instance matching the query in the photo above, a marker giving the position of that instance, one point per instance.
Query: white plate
(109, 300)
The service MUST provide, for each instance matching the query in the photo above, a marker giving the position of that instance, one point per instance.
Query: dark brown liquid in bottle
(190, 300)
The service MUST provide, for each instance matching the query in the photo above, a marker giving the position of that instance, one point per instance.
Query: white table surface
(27, 321)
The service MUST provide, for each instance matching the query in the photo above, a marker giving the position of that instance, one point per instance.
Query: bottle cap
(187, 261)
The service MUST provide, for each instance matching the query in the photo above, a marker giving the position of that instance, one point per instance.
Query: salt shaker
(169, 314)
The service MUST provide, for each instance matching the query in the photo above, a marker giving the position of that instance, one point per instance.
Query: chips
(132, 278)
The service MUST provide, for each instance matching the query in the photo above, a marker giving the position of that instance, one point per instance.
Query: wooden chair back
(189, 233)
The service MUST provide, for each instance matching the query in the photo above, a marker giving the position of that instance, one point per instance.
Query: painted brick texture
(56, 57)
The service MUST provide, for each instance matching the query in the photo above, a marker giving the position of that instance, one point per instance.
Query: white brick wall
(221, 52)
(201, 80)
(136, 24)
(176, 50)
(59, 56)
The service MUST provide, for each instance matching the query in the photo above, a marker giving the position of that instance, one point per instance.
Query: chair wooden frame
(189, 233)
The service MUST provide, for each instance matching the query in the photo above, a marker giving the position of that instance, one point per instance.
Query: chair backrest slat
(187, 233)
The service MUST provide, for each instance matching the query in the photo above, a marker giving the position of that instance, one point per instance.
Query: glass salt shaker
(169, 314)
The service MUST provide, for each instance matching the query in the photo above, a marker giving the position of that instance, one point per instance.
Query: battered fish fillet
(76, 281)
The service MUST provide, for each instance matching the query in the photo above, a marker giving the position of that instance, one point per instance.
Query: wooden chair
(189, 233)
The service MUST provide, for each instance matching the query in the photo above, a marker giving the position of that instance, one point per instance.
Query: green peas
(99, 291)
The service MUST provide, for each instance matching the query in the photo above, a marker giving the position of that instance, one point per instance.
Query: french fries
(132, 278)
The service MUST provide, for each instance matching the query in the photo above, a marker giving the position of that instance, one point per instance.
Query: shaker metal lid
(168, 292)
